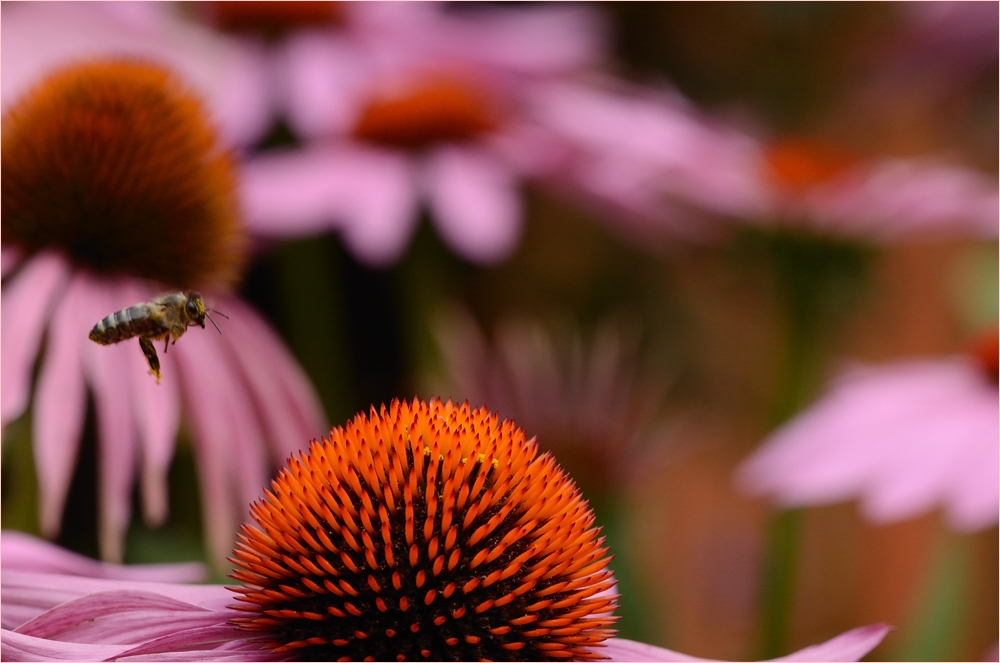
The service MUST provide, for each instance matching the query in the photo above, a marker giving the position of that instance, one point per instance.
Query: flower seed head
(115, 163)
(425, 531)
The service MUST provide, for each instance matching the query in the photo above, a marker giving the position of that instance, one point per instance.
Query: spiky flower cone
(425, 531)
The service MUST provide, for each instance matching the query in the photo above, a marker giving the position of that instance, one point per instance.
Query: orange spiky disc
(425, 531)
(116, 163)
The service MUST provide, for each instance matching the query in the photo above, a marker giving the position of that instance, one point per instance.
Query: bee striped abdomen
(125, 324)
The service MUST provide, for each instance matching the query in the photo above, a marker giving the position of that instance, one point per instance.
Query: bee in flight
(165, 318)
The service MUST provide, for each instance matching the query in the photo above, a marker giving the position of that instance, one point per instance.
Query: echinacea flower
(114, 190)
(422, 531)
(587, 399)
(821, 186)
(902, 438)
(228, 76)
(407, 104)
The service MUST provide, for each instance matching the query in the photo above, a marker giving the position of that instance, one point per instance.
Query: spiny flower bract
(425, 531)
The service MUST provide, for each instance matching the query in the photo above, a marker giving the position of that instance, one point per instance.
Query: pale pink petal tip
(849, 646)
(23, 552)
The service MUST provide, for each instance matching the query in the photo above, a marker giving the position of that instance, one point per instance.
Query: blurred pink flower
(228, 75)
(820, 186)
(902, 438)
(49, 616)
(404, 104)
(249, 404)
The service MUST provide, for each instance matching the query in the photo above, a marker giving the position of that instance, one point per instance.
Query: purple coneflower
(351, 557)
(902, 438)
(821, 186)
(115, 190)
(403, 104)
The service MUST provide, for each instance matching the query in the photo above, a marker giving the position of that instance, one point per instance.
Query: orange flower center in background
(802, 163)
(115, 163)
(425, 531)
(987, 350)
(272, 17)
(434, 111)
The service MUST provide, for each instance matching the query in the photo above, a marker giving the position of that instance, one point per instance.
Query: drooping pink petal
(157, 411)
(107, 371)
(27, 301)
(24, 552)
(849, 646)
(230, 644)
(475, 201)
(60, 400)
(231, 456)
(284, 398)
(902, 438)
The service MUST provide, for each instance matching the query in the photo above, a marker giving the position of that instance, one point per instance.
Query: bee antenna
(213, 321)
(215, 310)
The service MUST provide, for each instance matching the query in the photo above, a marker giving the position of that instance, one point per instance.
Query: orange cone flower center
(433, 111)
(425, 531)
(115, 164)
(801, 164)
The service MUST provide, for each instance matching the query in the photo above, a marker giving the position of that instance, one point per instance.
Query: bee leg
(150, 352)
(166, 344)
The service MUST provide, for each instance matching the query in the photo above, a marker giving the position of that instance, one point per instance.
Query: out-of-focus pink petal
(19, 647)
(39, 38)
(24, 552)
(849, 646)
(156, 411)
(902, 438)
(285, 400)
(27, 301)
(107, 370)
(323, 77)
(60, 400)
(231, 455)
(369, 194)
(10, 258)
(475, 202)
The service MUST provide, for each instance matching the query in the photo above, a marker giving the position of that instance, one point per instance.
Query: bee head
(195, 309)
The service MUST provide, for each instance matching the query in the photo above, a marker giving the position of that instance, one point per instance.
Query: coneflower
(420, 531)
(116, 188)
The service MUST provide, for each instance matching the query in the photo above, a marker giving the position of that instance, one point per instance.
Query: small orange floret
(116, 164)
(306, 568)
(433, 111)
(801, 163)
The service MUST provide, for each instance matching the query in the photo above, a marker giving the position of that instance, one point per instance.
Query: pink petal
(369, 194)
(156, 409)
(60, 403)
(231, 644)
(324, 78)
(231, 455)
(284, 398)
(118, 617)
(24, 552)
(10, 258)
(19, 647)
(849, 646)
(107, 369)
(475, 201)
(27, 301)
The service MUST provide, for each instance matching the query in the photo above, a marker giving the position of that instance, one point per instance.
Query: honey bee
(165, 318)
